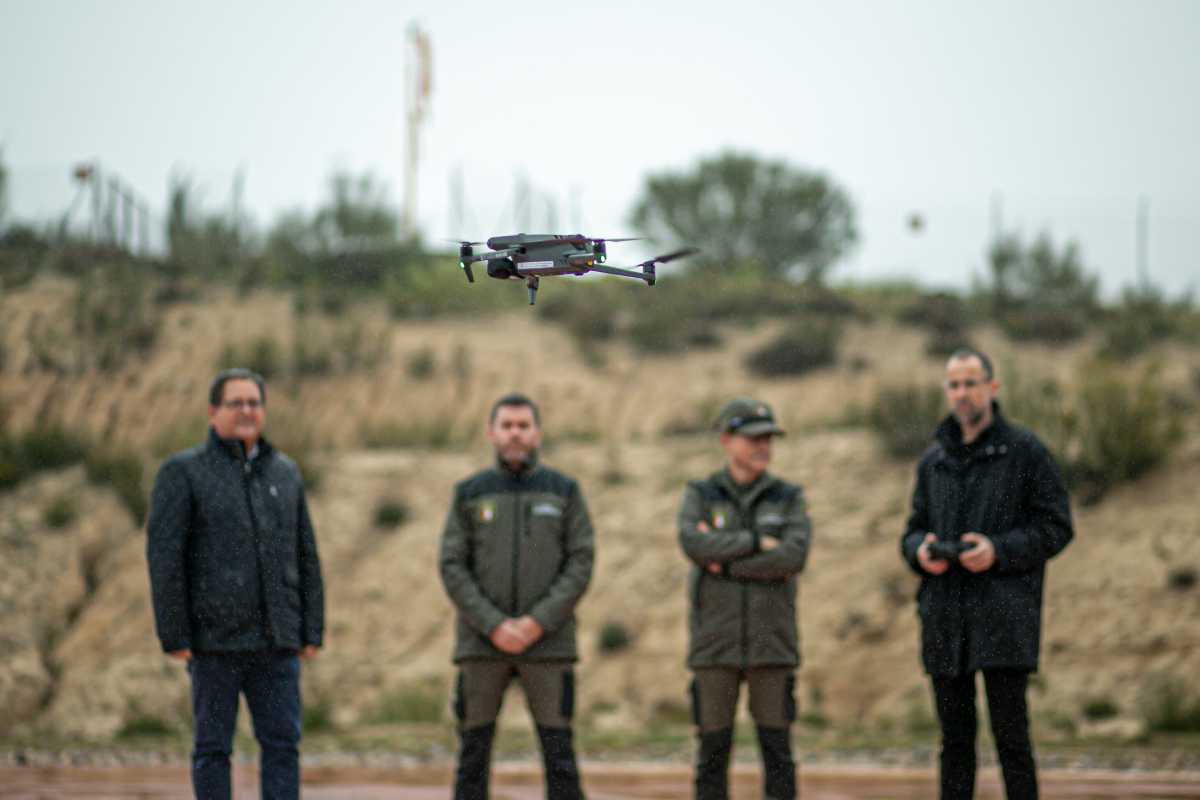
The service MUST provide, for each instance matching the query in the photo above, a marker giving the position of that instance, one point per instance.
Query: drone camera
(600, 250)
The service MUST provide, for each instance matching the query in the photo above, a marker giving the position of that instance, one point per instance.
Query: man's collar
(236, 449)
(527, 466)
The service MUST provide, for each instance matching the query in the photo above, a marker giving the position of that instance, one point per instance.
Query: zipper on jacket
(518, 524)
(262, 587)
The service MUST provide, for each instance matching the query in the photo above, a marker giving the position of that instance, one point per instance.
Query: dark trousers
(955, 699)
(550, 692)
(271, 683)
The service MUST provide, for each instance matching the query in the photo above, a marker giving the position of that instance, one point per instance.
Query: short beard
(971, 419)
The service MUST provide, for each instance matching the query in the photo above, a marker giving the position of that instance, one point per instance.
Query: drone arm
(625, 273)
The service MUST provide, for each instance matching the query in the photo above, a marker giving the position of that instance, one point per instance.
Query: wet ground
(604, 782)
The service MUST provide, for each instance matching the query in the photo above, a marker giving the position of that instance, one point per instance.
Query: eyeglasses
(239, 404)
(968, 384)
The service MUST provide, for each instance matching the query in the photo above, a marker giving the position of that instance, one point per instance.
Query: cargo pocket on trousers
(568, 694)
(694, 691)
(789, 699)
(460, 699)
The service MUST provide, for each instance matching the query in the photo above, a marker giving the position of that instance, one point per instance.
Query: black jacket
(1006, 486)
(233, 561)
(517, 543)
(745, 616)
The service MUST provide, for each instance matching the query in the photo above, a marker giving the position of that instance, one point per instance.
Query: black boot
(712, 765)
(558, 756)
(779, 769)
(474, 763)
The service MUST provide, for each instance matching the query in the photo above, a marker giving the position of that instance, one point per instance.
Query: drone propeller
(625, 239)
(462, 242)
(663, 259)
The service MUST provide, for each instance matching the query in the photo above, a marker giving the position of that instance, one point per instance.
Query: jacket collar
(993, 438)
(235, 450)
(745, 496)
(527, 468)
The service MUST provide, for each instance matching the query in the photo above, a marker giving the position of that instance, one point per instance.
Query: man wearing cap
(989, 509)
(747, 534)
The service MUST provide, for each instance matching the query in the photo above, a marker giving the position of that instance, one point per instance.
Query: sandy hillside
(78, 655)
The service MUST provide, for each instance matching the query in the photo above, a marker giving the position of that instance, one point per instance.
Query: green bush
(394, 434)
(37, 449)
(391, 514)
(1126, 427)
(51, 447)
(420, 702)
(114, 316)
(144, 726)
(1038, 293)
(1182, 579)
(904, 418)
(61, 512)
(1100, 708)
(809, 344)
(310, 359)
(317, 716)
(264, 355)
(122, 471)
(1167, 705)
(613, 638)
(421, 364)
(1141, 319)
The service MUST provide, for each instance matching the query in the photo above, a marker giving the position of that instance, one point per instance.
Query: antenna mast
(418, 87)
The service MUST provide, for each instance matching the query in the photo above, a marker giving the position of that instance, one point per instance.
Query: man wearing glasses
(747, 534)
(236, 586)
(988, 511)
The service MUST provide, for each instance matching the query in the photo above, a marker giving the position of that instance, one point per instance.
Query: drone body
(532, 256)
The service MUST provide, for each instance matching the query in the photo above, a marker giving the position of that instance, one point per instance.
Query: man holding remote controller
(988, 511)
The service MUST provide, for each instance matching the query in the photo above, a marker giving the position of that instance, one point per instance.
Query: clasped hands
(765, 543)
(516, 634)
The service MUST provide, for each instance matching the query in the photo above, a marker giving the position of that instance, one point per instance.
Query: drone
(532, 256)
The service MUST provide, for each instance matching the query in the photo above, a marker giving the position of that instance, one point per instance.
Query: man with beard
(516, 557)
(747, 534)
(988, 511)
(236, 586)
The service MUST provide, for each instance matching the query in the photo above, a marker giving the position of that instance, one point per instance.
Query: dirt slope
(77, 651)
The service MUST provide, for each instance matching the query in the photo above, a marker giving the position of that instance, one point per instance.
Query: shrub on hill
(809, 343)
(1037, 293)
(904, 418)
(1141, 319)
(122, 471)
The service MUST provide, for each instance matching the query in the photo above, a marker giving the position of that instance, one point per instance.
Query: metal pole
(1143, 242)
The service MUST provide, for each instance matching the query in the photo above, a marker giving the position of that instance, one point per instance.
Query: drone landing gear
(531, 283)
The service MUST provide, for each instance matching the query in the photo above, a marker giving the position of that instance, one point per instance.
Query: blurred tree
(1037, 275)
(738, 208)
(357, 213)
(202, 244)
(352, 241)
(1038, 293)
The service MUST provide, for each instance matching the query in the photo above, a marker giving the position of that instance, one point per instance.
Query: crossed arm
(746, 554)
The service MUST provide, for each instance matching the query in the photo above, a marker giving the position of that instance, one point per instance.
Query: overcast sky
(1057, 115)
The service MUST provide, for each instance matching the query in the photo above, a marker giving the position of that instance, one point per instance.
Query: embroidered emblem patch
(546, 510)
(718, 519)
(487, 512)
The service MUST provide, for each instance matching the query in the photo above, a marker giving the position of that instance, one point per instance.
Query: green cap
(746, 416)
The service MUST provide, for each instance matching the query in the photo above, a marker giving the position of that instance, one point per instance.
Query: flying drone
(532, 256)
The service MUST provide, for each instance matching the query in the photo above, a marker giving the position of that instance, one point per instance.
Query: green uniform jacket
(746, 616)
(517, 544)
